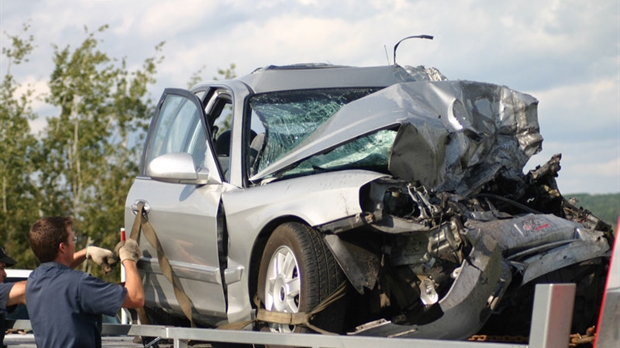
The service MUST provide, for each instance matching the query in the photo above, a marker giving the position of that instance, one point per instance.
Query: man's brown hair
(46, 234)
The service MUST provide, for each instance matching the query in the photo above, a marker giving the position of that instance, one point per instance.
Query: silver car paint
(332, 196)
(184, 218)
(271, 80)
(316, 200)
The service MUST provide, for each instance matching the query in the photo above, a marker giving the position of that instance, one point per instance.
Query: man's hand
(102, 257)
(128, 250)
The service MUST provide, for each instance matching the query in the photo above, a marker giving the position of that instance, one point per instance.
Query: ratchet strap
(300, 318)
(141, 222)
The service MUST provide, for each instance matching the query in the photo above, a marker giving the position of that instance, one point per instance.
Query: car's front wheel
(297, 272)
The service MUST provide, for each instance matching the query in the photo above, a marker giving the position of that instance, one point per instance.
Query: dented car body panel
(470, 302)
(412, 184)
(452, 135)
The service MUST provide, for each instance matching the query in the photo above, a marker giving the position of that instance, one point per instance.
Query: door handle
(134, 207)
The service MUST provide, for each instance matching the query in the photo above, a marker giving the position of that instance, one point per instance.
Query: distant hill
(604, 206)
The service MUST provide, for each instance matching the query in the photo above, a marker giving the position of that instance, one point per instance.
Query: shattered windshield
(285, 119)
(369, 152)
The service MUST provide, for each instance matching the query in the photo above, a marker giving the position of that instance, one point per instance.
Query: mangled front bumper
(480, 282)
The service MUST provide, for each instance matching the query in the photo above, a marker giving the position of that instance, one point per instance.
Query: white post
(552, 315)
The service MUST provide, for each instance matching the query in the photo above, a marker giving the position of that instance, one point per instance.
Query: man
(65, 305)
(10, 294)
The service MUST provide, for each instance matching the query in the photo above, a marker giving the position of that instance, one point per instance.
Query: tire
(297, 272)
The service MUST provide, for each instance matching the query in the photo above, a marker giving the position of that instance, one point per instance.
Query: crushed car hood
(452, 135)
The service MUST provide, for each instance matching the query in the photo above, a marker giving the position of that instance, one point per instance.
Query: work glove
(102, 257)
(128, 250)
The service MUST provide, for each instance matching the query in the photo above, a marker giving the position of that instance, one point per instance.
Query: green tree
(90, 150)
(196, 77)
(18, 196)
(604, 206)
(226, 74)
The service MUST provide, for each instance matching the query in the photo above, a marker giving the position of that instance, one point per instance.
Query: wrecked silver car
(384, 201)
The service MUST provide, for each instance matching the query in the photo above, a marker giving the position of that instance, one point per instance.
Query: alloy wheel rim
(282, 286)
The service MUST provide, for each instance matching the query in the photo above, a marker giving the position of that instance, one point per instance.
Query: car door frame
(193, 276)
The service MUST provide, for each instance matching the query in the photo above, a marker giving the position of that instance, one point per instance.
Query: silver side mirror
(179, 168)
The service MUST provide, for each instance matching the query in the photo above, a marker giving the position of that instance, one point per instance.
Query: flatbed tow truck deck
(550, 329)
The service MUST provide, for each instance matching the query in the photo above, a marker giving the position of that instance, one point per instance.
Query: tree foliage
(87, 155)
(18, 196)
(222, 74)
(226, 74)
(86, 160)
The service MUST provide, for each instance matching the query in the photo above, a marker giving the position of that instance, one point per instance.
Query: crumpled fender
(542, 243)
(478, 288)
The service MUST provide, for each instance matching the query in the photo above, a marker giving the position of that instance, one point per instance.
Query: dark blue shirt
(65, 306)
(5, 289)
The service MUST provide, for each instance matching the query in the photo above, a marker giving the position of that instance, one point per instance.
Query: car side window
(178, 129)
(220, 113)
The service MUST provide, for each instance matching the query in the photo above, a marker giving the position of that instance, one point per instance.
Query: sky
(564, 53)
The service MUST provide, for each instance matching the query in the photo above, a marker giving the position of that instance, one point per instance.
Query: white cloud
(587, 110)
(612, 169)
(168, 18)
(592, 167)
(37, 125)
(39, 90)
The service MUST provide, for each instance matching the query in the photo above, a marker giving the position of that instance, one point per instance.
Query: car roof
(314, 76)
